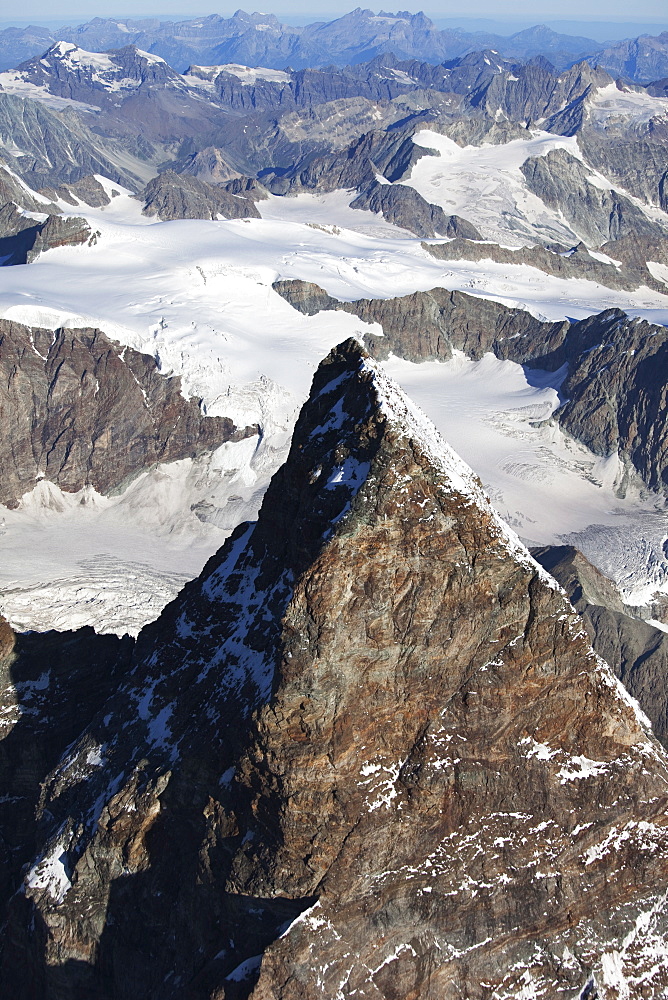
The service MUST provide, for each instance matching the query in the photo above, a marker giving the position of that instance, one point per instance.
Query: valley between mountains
(333, 528)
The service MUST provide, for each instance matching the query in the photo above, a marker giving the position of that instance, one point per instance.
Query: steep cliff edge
(635, 650)
(369, 752)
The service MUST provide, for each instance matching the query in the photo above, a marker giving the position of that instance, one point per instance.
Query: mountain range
(262, 40)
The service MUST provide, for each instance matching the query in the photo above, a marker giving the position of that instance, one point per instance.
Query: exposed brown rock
(373, 713)
(60, 231)
(7, 639)
(78, 409)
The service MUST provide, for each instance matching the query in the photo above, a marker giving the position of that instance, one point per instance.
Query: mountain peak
(370, 745)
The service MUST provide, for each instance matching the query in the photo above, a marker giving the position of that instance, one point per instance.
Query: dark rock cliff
(78, 409)
(53, 684)
(403, 206)
(368, 753)
(180, 196)
(634, 649)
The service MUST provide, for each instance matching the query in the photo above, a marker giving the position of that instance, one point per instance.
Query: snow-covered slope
(485, 184)
(632, 106)
(197, 295)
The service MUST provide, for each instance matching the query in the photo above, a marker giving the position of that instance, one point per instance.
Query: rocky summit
(368, 753)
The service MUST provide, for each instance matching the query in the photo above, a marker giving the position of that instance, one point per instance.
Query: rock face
(368, 753)
(57, 149)
(578, 263)
(403, 206)
(616, 392)
(180, 196)
(391, 154)
(634, 649)
(430, 325)
(632, 157)
(60, 232)
(87, 189)
(77, 410)
(562, 182)
(52, 685)
(210, 166)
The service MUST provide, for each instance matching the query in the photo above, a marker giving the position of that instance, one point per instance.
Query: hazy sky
(532, 10)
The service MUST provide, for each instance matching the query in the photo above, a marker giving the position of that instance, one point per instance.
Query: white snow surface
(634, 107)
(484, 184)
(50, 873)
(197, 296)
(249, 75)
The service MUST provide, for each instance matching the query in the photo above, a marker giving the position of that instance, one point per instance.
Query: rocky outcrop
(634, 649)
(78, 410)
(31, 238)
(88, 190)
(403, 206)
(179, 196)
(636, 162)
(658, 88)
(615, 390)
(535, 92)
(7, 640)
(429, 325)
(390, 154)
(562, 182)
(635, 251)
(209, 165)
(19, 209)
(369, 752)
(61, 231)
(576, 263)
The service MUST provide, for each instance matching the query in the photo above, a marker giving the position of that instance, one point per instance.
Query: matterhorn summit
(368, 753)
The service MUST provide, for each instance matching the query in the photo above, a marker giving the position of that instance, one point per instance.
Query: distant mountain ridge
(262, 40)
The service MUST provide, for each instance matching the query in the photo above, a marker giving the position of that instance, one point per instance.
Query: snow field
(197, 296)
